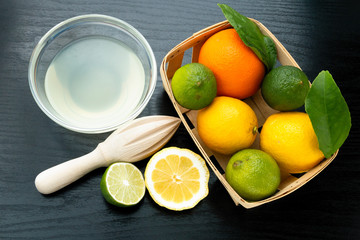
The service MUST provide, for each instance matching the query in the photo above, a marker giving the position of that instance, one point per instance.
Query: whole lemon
(291, 140)
(253, 174)
(227, 125)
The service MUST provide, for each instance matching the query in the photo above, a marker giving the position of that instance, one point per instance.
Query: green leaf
(251, 35)
(328, 112)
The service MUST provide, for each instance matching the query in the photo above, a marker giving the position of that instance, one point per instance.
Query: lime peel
(253, 174)
(194, 86)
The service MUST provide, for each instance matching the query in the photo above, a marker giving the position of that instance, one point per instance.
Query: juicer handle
(59, 176)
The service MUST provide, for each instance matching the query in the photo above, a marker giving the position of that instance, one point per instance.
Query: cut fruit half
(123, 184)
(177, 178)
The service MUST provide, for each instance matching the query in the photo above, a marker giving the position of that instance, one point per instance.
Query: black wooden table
(320, 35)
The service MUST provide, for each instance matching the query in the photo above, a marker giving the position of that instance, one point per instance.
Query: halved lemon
(177, 178)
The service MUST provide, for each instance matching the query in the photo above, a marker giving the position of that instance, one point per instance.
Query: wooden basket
(175, 59)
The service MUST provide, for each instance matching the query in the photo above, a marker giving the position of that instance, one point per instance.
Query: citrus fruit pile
(228, 126)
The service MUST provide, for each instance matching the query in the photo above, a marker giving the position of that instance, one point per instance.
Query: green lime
(253, 174)
(194, 86)
(122, 184)
(285, 88)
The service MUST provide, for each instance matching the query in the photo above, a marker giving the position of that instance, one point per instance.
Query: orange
(237, 69)
(227, 125)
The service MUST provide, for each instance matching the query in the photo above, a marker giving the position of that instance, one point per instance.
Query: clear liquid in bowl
(95, 81)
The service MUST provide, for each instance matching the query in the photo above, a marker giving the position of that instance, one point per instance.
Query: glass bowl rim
(95, 18)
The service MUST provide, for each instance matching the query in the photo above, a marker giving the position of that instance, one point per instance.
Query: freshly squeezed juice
(95, 81)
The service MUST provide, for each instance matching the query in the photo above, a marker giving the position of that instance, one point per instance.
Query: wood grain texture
(320, 35)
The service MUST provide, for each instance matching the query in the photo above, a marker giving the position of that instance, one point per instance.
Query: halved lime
(123, 184)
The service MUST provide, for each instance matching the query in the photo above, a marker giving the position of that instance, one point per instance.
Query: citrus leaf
(271, 51)
(328, 112)
(251, 35)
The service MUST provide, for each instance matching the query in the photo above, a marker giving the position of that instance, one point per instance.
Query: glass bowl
(92, 73)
